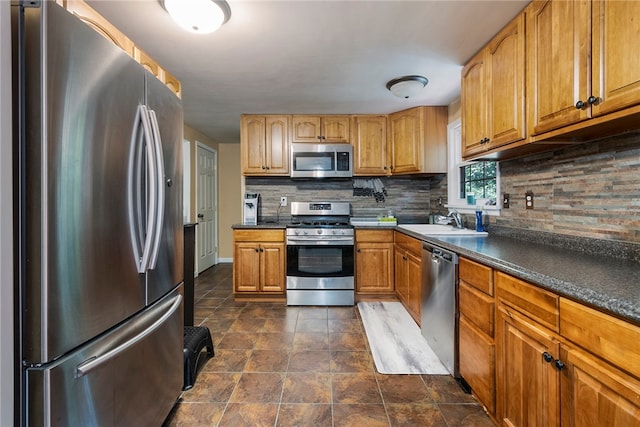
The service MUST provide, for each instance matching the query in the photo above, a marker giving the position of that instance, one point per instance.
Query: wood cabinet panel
(412, 244)
(492, 94)
(558, 64)
(307, 128)
(477, 362)
(374, 268)
(408, 273)
(369, 140)
(616, 72)
(259, 258)
(264, 144)
(538, 304)
(477, 275)
(612, 339)
(595, 393)
(477, 307)
(528, 387)
(418, 140)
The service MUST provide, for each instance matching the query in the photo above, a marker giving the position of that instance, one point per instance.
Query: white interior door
(207, 209)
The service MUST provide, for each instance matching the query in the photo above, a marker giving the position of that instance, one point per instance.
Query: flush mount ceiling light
(407, 86)
(198, 16)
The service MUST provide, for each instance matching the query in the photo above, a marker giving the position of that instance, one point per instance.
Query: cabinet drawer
(477, 275)
(407, 242)
(612, 339)
(536, 303)
(477, 307)
(258, 235)
(477, 363)
(376, 236)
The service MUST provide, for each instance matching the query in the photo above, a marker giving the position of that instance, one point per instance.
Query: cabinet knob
(547, 357)
(580, 105)
(263, 167)
(385, 168)
(559, 365)
(257, 249)
(391, 167)
(592, 100)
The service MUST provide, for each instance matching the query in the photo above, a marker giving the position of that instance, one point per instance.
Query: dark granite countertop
(604, 282)
(599, 279)
(262, 225)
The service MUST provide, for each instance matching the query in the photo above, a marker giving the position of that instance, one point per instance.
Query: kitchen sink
(440, 230)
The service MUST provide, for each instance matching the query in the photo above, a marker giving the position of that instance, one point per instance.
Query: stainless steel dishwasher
(438, 314)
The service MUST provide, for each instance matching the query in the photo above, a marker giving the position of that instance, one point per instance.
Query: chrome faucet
(455, 215)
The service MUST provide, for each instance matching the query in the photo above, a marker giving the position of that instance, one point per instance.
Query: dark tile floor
(304, 366)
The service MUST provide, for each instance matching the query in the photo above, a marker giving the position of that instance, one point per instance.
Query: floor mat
(396, 343)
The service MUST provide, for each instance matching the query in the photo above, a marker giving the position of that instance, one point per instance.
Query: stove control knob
(297, 232)
(333, 232)
(319, 231)
(304, 232)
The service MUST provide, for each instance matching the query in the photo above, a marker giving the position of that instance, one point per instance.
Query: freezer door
(129, 377)
(79, 275)
(166, 113)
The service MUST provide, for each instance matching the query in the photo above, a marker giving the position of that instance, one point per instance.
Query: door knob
(200, 215)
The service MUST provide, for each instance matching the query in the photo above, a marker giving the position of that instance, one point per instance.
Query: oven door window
(320, 261)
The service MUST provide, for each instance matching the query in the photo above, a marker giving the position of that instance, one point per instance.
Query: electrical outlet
(528, 199)
(505, 200)
(283, 201)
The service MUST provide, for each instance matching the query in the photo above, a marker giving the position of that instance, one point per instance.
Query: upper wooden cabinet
(492, 93)
(264, 144)
(369, 140)
(418, 140)
(579, 61)
(320, 128)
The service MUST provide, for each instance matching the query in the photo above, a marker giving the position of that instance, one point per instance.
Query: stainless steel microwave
(321, 160)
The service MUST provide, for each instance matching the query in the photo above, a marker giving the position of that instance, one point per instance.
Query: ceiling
(311, 57)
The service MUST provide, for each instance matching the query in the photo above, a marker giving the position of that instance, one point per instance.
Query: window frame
(455, 162)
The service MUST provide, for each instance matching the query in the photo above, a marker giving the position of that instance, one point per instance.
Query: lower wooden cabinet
(476, 303)
(259, 262)
(408, 273)
(374, 262)
(560, 363)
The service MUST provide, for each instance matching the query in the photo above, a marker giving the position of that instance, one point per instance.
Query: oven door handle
(316, 241)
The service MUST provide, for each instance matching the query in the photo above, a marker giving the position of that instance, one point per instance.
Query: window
(480, 178)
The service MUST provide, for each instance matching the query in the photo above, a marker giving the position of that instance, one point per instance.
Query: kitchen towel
(396, 342)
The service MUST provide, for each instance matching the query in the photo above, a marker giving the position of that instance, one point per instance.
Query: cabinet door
(277, 145)
(370, 145)
(527, 385)
(414, 277)
(402, 281)
(335, 129)
(477, 362)
(405, 135)
(615, 62)
(272, 272)
(474, 107)
(558, 66)
(306, 129)
(252, 144)
(596, 394)
(505, 63)
(246, 267)
(374, 267)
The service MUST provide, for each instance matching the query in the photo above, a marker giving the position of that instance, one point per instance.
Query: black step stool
(195, 339)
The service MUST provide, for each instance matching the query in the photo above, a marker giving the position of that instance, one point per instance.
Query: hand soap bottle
(479, 226)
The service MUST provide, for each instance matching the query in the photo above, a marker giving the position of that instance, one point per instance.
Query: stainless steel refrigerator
(100, 241)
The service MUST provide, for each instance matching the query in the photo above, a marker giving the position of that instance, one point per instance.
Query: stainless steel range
(320, 246)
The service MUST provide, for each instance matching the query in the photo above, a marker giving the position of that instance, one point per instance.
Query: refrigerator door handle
(155, 132)
(94, 362)
(141, 230)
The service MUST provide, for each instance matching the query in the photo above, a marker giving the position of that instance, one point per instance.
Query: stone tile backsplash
(410, 199)
(588, 190)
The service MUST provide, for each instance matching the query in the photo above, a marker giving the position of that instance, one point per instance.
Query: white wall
(6, 222)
